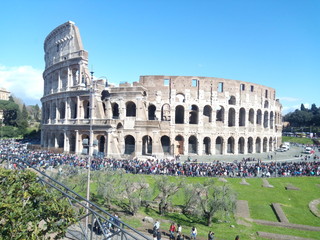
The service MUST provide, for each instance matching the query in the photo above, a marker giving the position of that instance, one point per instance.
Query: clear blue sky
(271, 42)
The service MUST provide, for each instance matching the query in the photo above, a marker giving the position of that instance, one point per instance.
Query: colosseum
(158, 115)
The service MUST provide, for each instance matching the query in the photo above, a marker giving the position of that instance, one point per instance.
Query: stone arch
(266, 104)
(180, 98)
(265, 144)
(165, 112)
(179, 145)
(259, 117)
(207, 114)
(241, 145)
(129, 144)
(86, 109)
(219, 145)
(119, 126)
(231, 117)
(265, 119)
(232, 100)
(179, 119)
(230, 145)
(75, 76)
(193, 144)
(250, 145)
(220, 114)
(271, 120)
(258, 145)
(62, 110)
(251, 116)
(270, 144)
(60, 140)
(166, 145)
(146, 145)
(207, 146)
(72, 143)
(73, 109)
(152, 112)
(130, 109)
(194, 115)
(101, 143)
(242, 117)
(115, 110)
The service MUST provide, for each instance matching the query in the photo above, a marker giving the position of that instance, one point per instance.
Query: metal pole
(92, 90)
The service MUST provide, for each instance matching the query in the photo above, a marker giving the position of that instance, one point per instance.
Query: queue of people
(243, 168)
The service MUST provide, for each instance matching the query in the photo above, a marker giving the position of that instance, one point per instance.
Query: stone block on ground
(244, 182)
(291, 187)
(280, 236)
(279, 212)
(222, 180)
(266, 184)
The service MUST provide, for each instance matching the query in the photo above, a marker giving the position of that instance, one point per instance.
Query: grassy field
(297, 140)
(294, 204)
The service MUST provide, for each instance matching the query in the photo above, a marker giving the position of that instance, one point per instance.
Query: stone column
(65, 141)
(59, 81)
(76, 142)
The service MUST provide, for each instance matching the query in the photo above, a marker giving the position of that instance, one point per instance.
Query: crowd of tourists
(249, 167)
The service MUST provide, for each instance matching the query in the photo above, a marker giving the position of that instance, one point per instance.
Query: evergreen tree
(302, 107)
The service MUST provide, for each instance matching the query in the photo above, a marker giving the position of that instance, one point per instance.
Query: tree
(133, 189)
(10, 112)
(302, 107)
(206, 200)
(28, 210)
(22, 119)
(167, 189)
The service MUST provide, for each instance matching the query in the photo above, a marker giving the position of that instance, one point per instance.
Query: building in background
(158, 115)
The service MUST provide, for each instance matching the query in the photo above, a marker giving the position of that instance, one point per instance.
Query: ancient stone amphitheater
(158, 115)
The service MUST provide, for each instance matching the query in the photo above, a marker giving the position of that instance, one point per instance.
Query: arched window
(219, 145)
(266, 104)
(165, 143)
(207, 114)
(179, 115)
(62, 110)
(193, 144)
(193, 114)
(259, 117)
(232, 117)
(165, 112)
(207, 145)
(250, 145)
(146, 145)
(258, 145)
(152, 112)
(115, 110)
(230, 147)
(265, 119)
(241, 145)
(130, 109)
(232, 100)
(129, 146)
(242, 117)
(86, 109)
(251, 116)
(220, 114)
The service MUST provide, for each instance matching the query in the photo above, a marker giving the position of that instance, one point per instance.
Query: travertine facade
(159, 115)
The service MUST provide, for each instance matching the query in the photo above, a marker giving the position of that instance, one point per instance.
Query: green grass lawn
(297, 140)
(294, 204)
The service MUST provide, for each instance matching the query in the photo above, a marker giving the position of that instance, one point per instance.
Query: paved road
(290, 155)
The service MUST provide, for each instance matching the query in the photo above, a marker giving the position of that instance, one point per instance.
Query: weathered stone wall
(157, 115)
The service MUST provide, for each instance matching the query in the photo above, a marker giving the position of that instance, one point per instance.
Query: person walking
(211, 235)
(193, 233)
(172, 230)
